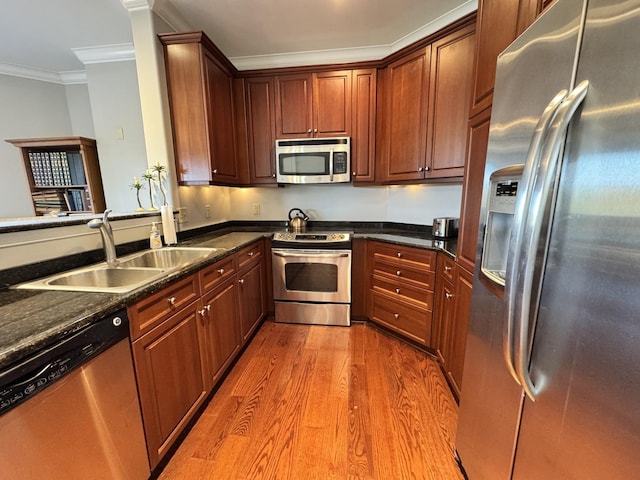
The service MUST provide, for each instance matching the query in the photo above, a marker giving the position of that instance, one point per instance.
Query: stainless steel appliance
(503, 187)
(551, 382)
(312, 278)
(313, 160)
(445, 227)
(297, 220)
(72, 411)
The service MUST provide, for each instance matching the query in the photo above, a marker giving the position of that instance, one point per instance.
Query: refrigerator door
(530, 73)
(585, 422)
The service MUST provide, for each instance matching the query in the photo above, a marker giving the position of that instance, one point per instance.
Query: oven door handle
(314, 254)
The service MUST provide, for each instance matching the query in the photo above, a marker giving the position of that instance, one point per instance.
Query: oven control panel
(330, 237)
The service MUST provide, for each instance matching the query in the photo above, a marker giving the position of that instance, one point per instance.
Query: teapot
(297, 222)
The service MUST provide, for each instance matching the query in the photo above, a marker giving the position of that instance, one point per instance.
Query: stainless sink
(166, 258)
(131, 272)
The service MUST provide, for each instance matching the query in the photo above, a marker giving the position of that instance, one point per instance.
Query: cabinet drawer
(409, 254)
(398, 289)
(151, 311)
(404, 271)
(213, 275)
(408, 320)
(446, 267)
(250, 255)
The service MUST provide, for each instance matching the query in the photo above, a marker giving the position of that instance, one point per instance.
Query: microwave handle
(331, 165)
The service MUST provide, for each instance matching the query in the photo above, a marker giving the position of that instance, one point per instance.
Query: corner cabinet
(202, 101)
(63, 174)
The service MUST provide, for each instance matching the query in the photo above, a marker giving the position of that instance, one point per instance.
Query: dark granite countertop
(34, 319)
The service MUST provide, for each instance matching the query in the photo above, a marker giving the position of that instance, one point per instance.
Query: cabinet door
(221, 329)
(332, 104)
(170, 372)
(363, 125)
(407, 98)
(457, 336)
(220, 122)
(445, 306)
(451, 78)
(294, 106)
(477, 141)
(260, 98)
(252, 305)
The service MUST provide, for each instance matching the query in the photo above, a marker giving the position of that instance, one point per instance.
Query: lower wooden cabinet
(171, 382)
(187, 335)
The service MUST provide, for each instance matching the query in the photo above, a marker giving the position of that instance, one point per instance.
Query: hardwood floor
(316, 402)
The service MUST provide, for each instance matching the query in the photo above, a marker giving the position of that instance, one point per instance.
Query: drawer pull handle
(397, 315)
(398, 273)
(397, 290)
(241, 281)
(220, 271)
(447, 268)
(172, 301)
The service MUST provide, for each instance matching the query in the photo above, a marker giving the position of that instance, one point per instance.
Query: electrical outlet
(207, 211)
(256, 209)
(182, 215)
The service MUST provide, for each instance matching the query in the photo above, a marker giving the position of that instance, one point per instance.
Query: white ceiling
(41, 34)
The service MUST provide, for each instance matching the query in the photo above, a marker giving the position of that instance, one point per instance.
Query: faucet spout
(106, 232)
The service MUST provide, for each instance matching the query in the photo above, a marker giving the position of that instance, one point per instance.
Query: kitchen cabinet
(63, 174)
(186, 336)
(261, 133)
(251, 285)
(169, 364)
(363, 127)
(313, 104)
(453, 303)
(202, 102)
(477, 142)
(425, 110)
(451, 78)
(402, 289)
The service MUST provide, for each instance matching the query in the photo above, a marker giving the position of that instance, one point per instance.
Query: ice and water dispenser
(500, 212)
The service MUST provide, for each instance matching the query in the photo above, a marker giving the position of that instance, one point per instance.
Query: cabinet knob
(448, 295)
(421, 169)
(399, 254)
(398, 272)
(315, 130)
(396, 315)
(172, 301)
(309, 131)
(202, 312)
(251, 254)
(273, 175)
(241, 281)
(220, 271)
(447, 268)
(426, 169)
(353, 174)
(397, 290)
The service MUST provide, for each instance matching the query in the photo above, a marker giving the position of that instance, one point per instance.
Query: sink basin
(131, 272)
(166, 258)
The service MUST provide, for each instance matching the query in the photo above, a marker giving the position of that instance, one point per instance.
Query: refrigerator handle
(532, 161)
(528, 257)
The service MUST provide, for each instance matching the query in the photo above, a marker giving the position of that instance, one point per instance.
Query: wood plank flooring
(319, 403)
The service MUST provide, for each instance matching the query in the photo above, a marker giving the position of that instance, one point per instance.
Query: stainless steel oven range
(312, 278)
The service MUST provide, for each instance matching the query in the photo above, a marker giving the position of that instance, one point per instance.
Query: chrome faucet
(107, 237)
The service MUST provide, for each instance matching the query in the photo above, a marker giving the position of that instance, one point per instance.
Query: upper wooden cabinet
(261, 131)
(201, 97)
(313, 104)
(451, 79)
(425, 109)
(363, 125)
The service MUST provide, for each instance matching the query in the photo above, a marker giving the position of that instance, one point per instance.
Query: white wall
(115, 105)
(80, 113)
(29, 109)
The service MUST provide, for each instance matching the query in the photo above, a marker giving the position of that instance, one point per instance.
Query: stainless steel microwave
(313, 160)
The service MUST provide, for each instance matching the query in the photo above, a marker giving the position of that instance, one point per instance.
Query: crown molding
(356, 54)
(167, 12)
(133, 5)
(63, 78)
(106, 53)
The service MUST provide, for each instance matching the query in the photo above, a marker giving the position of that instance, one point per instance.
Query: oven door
(305, 275)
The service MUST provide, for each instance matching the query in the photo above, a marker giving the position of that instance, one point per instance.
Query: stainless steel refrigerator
(551, 383)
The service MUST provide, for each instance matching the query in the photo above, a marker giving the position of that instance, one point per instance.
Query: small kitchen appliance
(445, 227)
(297, 220)
(313, 160)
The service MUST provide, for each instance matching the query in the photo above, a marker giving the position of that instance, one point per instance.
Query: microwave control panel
(340, 163)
